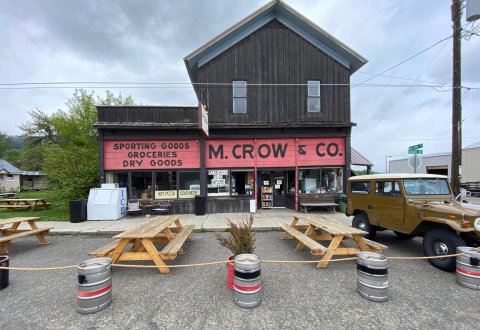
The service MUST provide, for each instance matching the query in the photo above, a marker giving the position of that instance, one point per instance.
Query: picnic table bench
(31, 204)
(139, 243)
(318, 229)
(12, 232)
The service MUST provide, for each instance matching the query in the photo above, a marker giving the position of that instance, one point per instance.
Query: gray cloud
(145, 41)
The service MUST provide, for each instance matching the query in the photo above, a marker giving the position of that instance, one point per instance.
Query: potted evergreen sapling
(239, 240)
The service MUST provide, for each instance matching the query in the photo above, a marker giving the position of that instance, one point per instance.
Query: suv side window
(384, 188)
(360, 187)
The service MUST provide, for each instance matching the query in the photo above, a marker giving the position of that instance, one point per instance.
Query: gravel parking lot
(294, 296)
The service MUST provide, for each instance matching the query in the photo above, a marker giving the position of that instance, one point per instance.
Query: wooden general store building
(276, 88)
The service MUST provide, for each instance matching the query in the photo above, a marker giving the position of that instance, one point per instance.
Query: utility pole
(456, 98)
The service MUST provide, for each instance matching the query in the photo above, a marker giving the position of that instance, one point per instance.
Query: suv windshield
(424, 186)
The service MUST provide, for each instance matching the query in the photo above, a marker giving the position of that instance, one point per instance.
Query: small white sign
(218, 182)
(218, 172)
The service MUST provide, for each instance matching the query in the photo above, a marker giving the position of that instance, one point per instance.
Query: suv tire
(442, 242)
(360, 221)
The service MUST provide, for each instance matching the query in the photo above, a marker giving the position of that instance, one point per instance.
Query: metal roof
(359, 159)
(286, 15)
(397, 176)
(475, 145)
(9, 168)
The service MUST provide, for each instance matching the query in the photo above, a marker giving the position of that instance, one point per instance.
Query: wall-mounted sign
(165, 194)
(188, 193)
(217, 172)
(151, 154)
(266, 183)
(275, 152)
(202, 118)
(279, 181)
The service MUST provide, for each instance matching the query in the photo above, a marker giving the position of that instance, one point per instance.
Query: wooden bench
(174, 247)
(104, 250)
(39, 233)
(326, 201)
(14, 207)
(329, 206)
(315, 247)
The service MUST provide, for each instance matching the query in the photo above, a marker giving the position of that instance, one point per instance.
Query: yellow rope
(229, 261)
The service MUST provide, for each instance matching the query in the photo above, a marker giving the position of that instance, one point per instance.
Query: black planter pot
(4, 262)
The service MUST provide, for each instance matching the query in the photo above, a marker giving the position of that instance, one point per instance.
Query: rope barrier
(227, 261)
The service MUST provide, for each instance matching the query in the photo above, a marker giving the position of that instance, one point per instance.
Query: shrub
(240, 238)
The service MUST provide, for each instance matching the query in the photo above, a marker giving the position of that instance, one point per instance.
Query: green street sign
(419, 152)
(417, 146)
(414, 149)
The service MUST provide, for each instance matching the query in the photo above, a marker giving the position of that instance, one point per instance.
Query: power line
(415, 139)
(406, 60)
(123, 85)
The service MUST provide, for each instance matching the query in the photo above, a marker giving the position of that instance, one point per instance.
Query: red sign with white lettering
(275, 152)
(151, 154)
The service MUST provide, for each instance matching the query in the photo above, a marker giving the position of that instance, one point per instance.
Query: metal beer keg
(94, 285)
(468, 267)
(247, 281)
(372, 276)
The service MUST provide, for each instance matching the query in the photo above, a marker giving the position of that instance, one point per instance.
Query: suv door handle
(371, 206)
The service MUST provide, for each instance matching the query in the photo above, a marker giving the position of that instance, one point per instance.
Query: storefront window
(120, 178)
(218, 183)
(188, 184)
(141, 185)
(166, 185)
(320, 180)
(242, 183)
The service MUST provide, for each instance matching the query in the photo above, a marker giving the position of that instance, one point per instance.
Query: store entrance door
(279, 199)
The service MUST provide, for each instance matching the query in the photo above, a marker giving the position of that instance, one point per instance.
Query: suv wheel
(438, 242)
(360, 221)
(403, 236)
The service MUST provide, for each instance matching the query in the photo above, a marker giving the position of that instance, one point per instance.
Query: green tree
(68, 141)
(5, 145)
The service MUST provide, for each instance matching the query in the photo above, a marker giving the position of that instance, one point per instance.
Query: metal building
(440, 163)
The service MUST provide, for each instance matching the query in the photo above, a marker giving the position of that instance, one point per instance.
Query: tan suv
(414, 205)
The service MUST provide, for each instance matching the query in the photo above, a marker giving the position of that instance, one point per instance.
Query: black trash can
(78, 210)
(4, 262)
(200, 204)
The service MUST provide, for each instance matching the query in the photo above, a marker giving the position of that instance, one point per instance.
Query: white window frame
(313, 94)
(239, 93)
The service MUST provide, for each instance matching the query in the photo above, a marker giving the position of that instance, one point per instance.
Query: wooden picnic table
(23, 203)
(318, 228)
(12, 232)
(139, 243)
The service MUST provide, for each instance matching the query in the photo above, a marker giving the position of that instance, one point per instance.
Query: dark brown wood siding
(150, 114)
(275, 54)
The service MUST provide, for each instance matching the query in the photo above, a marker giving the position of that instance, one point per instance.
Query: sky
(146, 41)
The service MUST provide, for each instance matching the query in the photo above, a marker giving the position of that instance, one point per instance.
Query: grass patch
(59, 209)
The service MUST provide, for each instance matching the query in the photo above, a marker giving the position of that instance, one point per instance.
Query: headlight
(477, 224)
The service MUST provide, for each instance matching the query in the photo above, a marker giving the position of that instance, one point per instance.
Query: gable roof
(288, 16)
(9, 168)
(359, 159)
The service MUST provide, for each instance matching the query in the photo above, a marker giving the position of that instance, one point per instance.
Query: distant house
(14, 179)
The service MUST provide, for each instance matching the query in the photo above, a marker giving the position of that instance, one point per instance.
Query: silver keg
(372, 276)
(468, 267)
(247, 281)
(94, 285)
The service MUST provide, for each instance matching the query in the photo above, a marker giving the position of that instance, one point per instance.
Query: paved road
(294, 296)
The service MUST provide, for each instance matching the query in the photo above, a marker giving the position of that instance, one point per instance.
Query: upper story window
(313, 97)
(239, 96)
